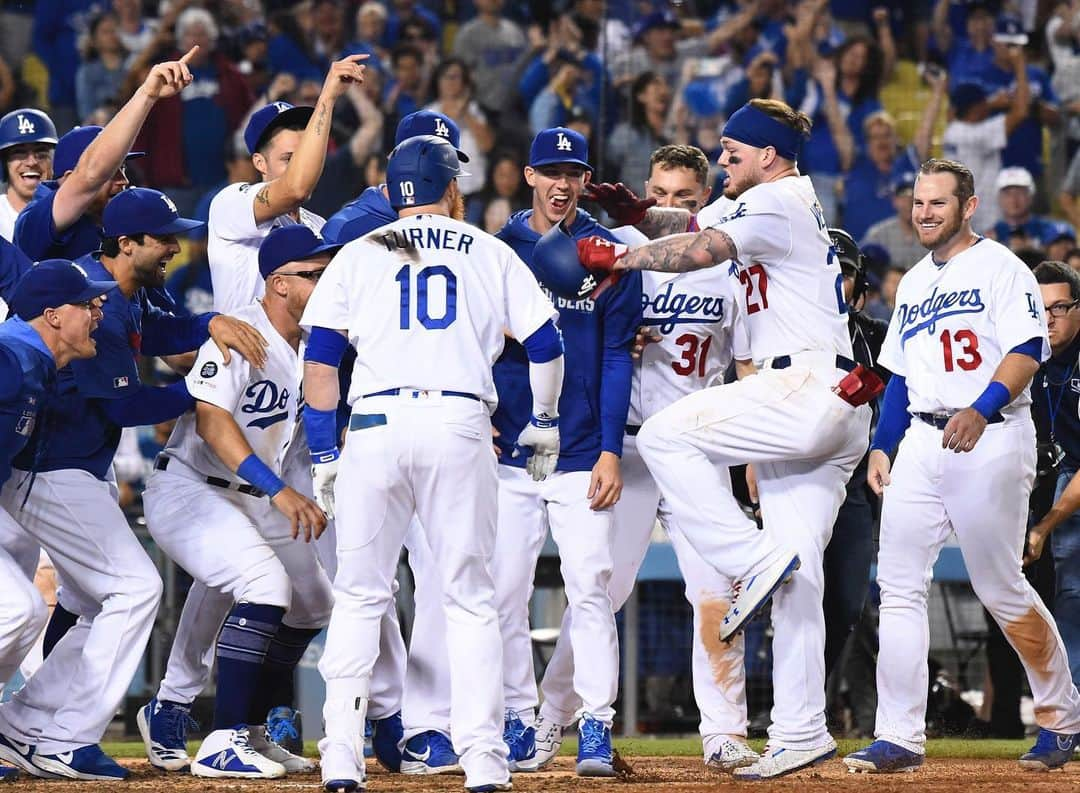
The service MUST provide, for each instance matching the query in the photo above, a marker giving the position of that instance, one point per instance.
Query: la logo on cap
(441, 129)
(563, 143)
(169, 203)
(26, 125)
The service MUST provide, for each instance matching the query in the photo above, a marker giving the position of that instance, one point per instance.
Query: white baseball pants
(804, 442)
(23, 613)
(982, 495)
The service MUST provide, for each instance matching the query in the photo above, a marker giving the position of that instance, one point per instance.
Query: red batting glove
(598, 253)
(619, 201)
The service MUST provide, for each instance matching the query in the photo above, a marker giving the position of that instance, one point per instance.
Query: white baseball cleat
(271, 750)
(752, 594)
(341, 773)
(781, 761)
(549, 737)
(228, 753)
(726, 753)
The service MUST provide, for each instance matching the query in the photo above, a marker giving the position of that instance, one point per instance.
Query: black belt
(161, 462)
(633, 429)
(939, 421)
(784, 361)
(398, 391)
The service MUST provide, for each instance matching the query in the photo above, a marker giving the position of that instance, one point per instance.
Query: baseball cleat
(594, 757)
(283, 727)
(489, 788)
(341, 773)
(883, 757)
(780, 761)
(1051, 750)
(752, 595)
(21, 755)
(8, 774)
(521, 743)
(729, 753)
(228, 753)
(163, 727)
(548, 739)
(86, 762)
(260, 741)
(429, 753)
(386, 735)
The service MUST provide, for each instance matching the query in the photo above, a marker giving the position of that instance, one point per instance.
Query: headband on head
(756, 128)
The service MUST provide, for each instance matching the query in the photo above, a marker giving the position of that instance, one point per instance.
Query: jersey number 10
(423, 314)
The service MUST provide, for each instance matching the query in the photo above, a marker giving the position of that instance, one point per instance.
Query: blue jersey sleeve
(164, 333)
(113, 372)
(147, 405)
(13, 263)
(622, 316)
(35, 231)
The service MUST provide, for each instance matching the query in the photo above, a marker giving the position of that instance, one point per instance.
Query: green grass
(691, 747)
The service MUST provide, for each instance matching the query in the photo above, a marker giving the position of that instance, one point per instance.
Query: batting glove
(324, 468)
(598, 253)
(540, 439)
(619, 201)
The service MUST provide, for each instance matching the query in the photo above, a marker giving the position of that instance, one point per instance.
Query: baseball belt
(939, 420)
(161, 463)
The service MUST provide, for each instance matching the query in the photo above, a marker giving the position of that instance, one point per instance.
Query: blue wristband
(993, 399)
(321, 429)
(259, 475)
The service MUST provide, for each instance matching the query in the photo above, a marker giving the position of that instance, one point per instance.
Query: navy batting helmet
(558, 266)
(420, 169)
(26, 125)
(852, 261)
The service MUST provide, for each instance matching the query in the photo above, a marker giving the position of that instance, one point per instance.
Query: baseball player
(968, 334)
(801, 420)
(237, 537)
(27, 140)
(64, 495)
(694, 330)
(430, 289)
(56, 308)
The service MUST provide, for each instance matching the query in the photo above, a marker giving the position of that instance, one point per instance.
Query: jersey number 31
(423, 286)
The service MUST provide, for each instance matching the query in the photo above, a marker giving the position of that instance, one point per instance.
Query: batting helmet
(420, 169)
(557, 266)
(852, 261)
(26, 125)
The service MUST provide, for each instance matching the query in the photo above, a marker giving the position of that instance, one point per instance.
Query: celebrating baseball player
(694, 329)
(431, 290)
(968, 334)
(802, 420)
(27, 140)
(56, 308)
(217, 505)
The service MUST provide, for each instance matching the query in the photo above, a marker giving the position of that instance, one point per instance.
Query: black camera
(1048, 457)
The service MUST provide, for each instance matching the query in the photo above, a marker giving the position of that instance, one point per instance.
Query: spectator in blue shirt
(403, 11)
(57, 27)
(1019, 227)
(1058, 239)
(968, 57)
(407, 91)
(98, 79)
(869, 186)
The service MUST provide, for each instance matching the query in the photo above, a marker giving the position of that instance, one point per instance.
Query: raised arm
(1021, 98)
(678, 253)
(924, 135)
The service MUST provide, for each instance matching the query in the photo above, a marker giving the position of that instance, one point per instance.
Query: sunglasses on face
(311, 275)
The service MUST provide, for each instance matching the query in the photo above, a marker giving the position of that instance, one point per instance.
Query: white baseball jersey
(955, 322)
(793, 290)
(424, 301)
(7, 218)
(264, 402)
(233, 244)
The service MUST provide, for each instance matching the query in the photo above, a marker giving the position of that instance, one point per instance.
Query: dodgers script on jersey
(793, 289)
(233, 244)
(418, 325)
(955, 322)
(264, 402)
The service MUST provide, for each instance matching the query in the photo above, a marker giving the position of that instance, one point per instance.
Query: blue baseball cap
(51, 284)
(559, 145)
(1009, 29)
(966, 95)
(266, 119)
(72, 145)
(428, 122)
(293, 243)
(657, 19)
(1055, 230)
(140, 210)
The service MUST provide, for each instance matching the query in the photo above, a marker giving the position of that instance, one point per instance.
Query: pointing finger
(187, 56)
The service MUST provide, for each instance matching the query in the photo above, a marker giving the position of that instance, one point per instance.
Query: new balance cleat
(520, 742)
(594, 756)
(228, 753)
(86, 763)
(386, 735)
(781, 761)
(1051, 750)
(752, 595)
(883, 757)
(429, 753)
(284, 728)
(548, 737)
(260, 741)
(21, 755)
(163, 727)
(729, 753)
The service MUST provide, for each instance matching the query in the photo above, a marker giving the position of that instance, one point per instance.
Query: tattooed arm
(662, 221)
(285, 194)
(681, 252)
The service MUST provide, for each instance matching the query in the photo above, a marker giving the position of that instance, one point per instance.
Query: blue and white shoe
(491, 787)
(386, 735)
(21, 755)
(752, 595)
(163, 727)
(429, 753)
(86, 762)
(342, 771)
(1051, 750)
(284, 728)
(594, 756)
(883, 757)
(228, 753)
(782, 761)
(8, 774)
(369, 732)
(521, 743)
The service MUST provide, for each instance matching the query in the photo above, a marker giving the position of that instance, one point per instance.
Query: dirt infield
(651, 775)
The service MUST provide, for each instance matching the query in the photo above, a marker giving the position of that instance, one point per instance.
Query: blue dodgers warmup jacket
(78, 432)
(596, 387)
(27, 378)
(13, 264)
(369, 211)
(36, 234)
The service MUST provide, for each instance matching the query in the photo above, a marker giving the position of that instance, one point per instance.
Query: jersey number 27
(421, 309)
